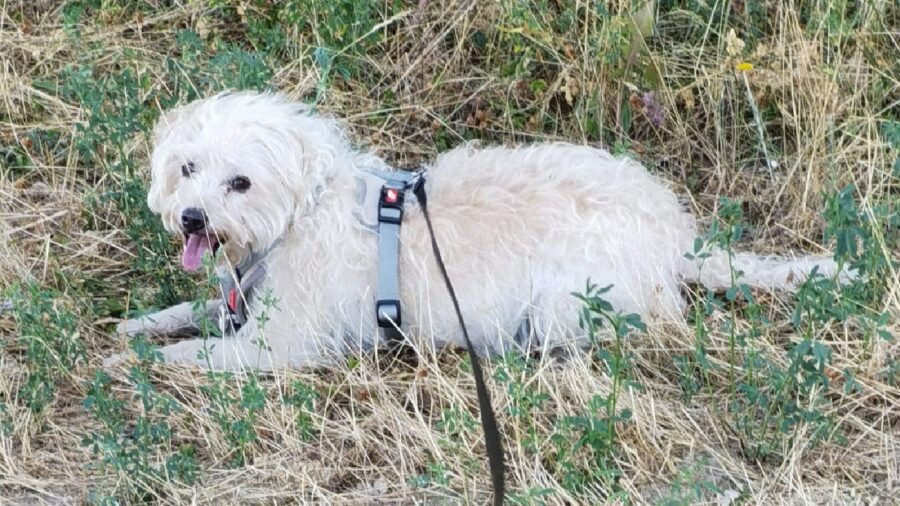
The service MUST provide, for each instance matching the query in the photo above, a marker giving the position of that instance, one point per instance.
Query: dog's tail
(767, 272)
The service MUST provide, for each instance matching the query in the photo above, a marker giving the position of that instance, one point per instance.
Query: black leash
(488, 420)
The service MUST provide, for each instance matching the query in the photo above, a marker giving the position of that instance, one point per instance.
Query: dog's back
(528, 226)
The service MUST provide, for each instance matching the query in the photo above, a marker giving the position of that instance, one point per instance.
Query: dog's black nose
(193, 220)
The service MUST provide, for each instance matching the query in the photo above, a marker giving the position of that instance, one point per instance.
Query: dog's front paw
(131, 327)
(119, 360)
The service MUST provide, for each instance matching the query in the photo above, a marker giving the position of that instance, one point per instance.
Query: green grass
(775, 122)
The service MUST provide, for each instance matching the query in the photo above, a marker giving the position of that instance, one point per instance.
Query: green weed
(593, 433)
(236, 410)
(770, 402)
(136, 447)
(457, 425)
(516, 372)
(303, 399)
(688, 488)
(48, 335)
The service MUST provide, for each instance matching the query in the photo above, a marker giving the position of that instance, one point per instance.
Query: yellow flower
(744, 66)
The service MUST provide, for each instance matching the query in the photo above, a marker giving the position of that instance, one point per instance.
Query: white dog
(247, 175)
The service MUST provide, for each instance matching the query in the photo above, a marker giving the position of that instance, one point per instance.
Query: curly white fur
(520, 230)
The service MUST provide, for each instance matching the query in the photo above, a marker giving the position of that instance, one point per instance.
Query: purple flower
(653, 109)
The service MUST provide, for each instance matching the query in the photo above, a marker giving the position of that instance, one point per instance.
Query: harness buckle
(388, 312)
(229, 323)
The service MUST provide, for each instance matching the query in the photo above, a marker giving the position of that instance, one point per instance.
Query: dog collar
(237, 287)
(381, 196)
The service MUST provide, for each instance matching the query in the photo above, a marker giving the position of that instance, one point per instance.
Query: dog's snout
(193, 220)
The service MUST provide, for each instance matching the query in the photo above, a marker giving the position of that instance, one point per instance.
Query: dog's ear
(319, 150)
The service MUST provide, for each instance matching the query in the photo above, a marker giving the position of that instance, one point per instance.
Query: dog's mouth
(195, 245)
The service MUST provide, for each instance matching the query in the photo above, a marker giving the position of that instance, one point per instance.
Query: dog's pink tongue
(194, 246)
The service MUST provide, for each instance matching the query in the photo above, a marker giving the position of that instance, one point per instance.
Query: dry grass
(422, 76)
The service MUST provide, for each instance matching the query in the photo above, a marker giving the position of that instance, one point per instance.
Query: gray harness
(381, 195)
(237, 288)
(390, 189)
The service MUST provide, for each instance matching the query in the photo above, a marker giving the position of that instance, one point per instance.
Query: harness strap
(492, 441)
(237, 288)
(390, 217)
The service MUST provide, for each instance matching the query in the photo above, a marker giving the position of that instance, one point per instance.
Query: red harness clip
(232, 300)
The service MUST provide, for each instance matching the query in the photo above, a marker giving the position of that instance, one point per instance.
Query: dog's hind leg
(178, 320)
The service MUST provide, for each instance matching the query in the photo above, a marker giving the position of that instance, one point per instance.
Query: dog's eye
(239, 184)
(187, 169)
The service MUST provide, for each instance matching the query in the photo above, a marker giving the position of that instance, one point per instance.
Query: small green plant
(687, 488)
(695, 368)
(863, 239)
(303, 399)
(457, 425)
(768, 401)
(48, 334)
(235, 409)
(516, 372)
(6, 423)
(137, 451)
(436, 473)
(891, 372)
(765, 401)
(115, 114)
(723, 234)
(592, 434)
(785, 398)
(795, 395)
(529, 497)
(269, 304)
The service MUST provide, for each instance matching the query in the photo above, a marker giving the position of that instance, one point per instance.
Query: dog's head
(233, 171)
